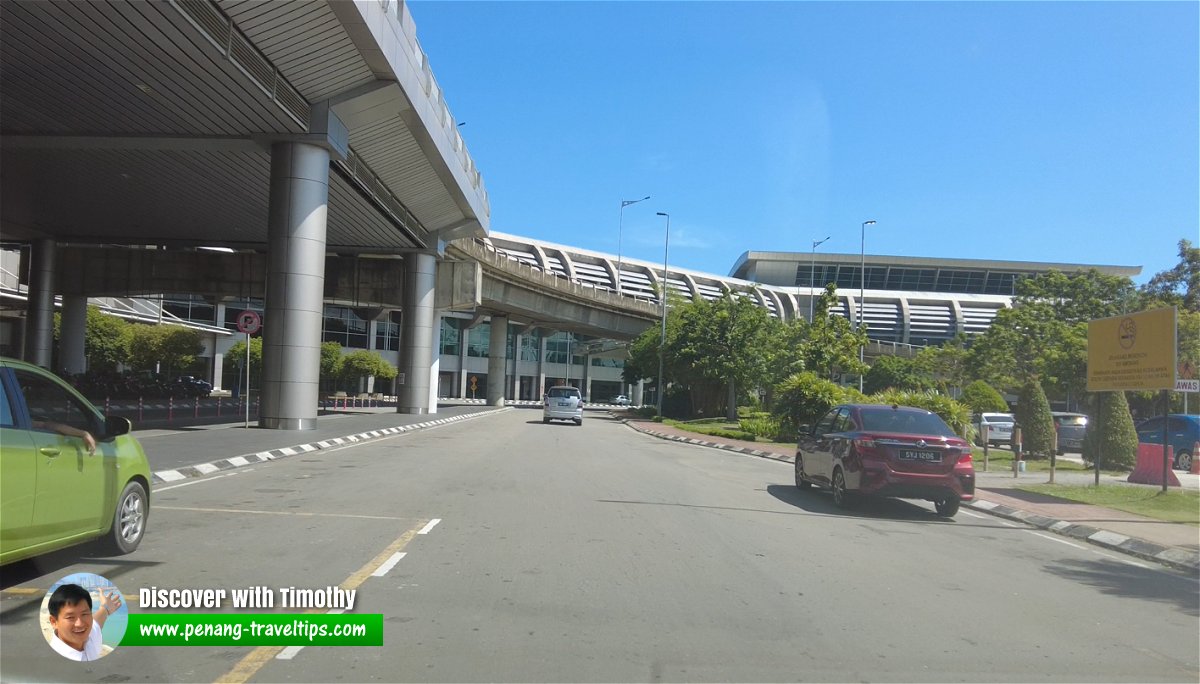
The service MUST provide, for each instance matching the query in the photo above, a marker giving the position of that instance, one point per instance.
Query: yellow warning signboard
(1133, 352)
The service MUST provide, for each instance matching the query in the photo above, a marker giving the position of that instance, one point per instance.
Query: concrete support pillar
(372, 331)
(541, 390)
(636, 400)
(295, 286)
(218, 370)
(71, 354)
(497, 360)
(418, 334)
(516, 368)
(464, 339)
(39, 310)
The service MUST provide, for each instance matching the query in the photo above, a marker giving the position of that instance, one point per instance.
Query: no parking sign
(249, 322)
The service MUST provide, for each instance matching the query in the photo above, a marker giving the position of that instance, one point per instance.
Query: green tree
(644, 351)
(1111, 435)
(1179, 286)
(832, 345)
(784, 354)
(169, 348)
(1033, 415)
(180, 349)
(107, 342)
(895, 372)
(1045, 332)
(711, 349)
(945, 364)
(361, 363)
(331, 360)
(722, 343)
(983, 398)
(235, 359)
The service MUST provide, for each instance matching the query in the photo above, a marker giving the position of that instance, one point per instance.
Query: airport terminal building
(915, 301)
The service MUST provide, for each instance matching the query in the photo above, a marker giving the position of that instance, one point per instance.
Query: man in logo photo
(77, 630)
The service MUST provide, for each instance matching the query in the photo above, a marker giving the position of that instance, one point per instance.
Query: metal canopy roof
(127, 122)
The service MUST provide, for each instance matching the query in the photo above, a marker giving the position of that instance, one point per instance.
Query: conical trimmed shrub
(1111, 433)
(1033, 415)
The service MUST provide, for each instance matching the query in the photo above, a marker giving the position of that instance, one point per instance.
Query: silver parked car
(621, 400)
(563, 403)
(999, 427)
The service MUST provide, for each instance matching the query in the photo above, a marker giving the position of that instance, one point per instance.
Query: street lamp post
(662, 340)
(620, 231)
(862, 288)
(812, 277)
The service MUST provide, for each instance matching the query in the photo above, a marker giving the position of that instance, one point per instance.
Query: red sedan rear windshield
(911, 422)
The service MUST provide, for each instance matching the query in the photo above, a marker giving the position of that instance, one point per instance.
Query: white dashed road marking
(388, 565)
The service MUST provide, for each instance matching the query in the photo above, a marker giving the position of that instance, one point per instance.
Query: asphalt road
(599, 554)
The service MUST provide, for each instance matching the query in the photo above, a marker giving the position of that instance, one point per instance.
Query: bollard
(1053, 455)
(139, 409)
(170, 408)
(107, 406)
(1195, 469)
(984, 427)
(196, 412)
(218, 407)
(1018, 464)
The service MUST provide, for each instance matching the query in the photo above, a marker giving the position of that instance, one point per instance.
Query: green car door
(18, 476)
(71, 483)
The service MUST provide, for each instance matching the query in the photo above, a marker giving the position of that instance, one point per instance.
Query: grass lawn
(1173, 506)
(1001, 461)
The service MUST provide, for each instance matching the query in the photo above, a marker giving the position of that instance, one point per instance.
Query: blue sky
(1029, 131)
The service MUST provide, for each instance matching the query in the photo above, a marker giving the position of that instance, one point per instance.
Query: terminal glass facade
(901, 278)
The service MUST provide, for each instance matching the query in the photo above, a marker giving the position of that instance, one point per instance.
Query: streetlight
(662, 340)
(812, 276)
(862, 286)
(620, 231)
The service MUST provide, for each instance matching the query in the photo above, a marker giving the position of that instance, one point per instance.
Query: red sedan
(879, 450)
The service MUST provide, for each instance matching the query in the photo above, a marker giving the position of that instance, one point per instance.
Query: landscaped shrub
(956, 414)
(1111, 433)
(1033, 415)
(983, 398)
(731, 434)
(766, 426)
(805, 397)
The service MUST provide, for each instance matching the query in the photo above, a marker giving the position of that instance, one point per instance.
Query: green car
(53, 492)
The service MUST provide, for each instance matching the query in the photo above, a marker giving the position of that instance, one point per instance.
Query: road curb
(1181, 559)
(202, 469)
(699, 442)
(1175, 557)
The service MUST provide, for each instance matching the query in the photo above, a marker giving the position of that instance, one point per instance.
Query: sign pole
(1166, 395)
(247, 381)
(248, 322)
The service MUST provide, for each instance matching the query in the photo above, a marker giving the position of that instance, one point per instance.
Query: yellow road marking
(252, 663)
(23, 591)
(296, 513)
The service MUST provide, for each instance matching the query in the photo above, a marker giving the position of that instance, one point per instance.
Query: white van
(563, 403)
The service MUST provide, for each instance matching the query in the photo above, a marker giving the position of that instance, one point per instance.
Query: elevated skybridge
(896, 321)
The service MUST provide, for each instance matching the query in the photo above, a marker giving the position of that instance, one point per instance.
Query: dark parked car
(869, 449)
(1071, 427)
(1184, 433)
(188, 386)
